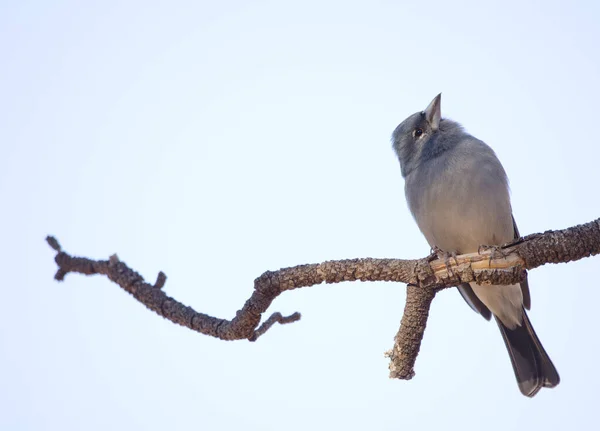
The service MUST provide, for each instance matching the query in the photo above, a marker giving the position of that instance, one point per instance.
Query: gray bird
(457, 191)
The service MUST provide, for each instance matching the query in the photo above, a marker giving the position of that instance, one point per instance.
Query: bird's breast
(459, 207)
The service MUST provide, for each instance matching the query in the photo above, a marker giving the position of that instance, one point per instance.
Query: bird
(457, 191)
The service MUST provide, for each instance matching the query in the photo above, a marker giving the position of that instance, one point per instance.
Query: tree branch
(493, 265)
(407, 341)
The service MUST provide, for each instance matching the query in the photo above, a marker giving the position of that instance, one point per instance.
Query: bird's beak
(433, 113)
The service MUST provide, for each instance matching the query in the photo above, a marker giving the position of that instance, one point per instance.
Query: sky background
(217, 140)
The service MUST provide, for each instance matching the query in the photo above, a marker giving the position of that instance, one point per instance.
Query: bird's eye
(418, 132)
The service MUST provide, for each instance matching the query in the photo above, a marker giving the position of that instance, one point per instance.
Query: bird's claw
(445, 256)
(495, 250)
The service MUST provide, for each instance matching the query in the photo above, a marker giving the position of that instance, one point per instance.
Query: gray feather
(524, 283)
(473, 301)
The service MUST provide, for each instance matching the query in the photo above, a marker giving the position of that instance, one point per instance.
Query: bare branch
(494, 265)
(408, 339)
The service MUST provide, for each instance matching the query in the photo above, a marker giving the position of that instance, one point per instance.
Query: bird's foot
(438, 253)
(495, 251)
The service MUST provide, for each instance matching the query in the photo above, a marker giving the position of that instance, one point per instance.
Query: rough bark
(407, 342)
(491, 265)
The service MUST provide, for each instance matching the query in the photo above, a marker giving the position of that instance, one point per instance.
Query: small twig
(275, 318)
(161, 279)
(52, 242)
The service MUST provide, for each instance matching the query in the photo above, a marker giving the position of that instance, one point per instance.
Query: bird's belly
(460, 220)
(454, 231)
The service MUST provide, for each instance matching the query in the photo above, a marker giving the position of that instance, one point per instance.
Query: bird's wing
(478, 306)
(472, 299)
(524, 283)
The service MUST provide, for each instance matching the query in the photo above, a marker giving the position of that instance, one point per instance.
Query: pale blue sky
(215, 141)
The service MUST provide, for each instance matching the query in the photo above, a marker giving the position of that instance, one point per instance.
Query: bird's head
(412, 135)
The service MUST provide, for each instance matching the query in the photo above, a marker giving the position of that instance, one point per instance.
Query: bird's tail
(533, 368)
